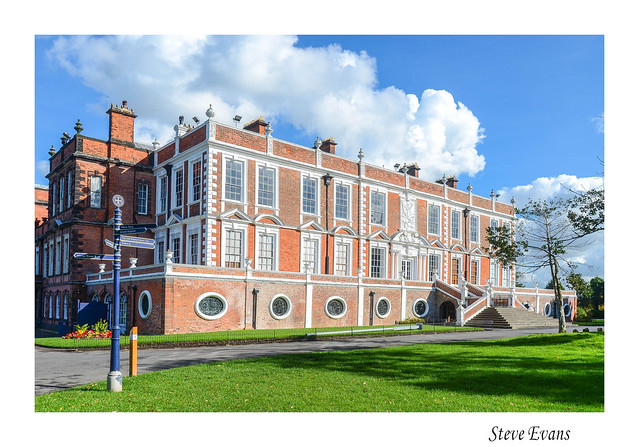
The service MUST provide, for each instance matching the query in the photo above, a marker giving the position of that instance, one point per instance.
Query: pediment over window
(409, 237)
(379, 234)
(269, 218)
(311, 225)
(343, 229)
(235, 214)
(436, 243)
(173, 219)
(477, 251)
(458, 248)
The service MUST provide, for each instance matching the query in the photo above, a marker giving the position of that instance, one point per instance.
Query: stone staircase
(510, 318)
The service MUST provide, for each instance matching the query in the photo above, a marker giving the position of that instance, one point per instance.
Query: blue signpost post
(114, 378)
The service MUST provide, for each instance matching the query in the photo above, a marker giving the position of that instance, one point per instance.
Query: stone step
(510, 318)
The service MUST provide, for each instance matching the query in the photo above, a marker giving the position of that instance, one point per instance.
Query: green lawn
(229, 336)
(562, 372)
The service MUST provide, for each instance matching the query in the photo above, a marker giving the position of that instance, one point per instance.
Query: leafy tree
(503, 247)
(582, 288)
(546, 232)
(587, 213)
(597, 286)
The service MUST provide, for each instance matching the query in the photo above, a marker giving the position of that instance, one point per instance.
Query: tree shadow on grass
(561, 373)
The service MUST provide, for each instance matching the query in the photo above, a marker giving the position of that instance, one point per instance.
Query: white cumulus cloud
(326, 91)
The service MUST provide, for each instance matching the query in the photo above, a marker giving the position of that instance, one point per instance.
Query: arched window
(122, 310)
(65, 308)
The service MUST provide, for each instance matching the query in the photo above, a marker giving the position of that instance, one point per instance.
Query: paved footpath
(57, 370)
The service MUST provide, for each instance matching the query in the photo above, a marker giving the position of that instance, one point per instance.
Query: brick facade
(257, 239)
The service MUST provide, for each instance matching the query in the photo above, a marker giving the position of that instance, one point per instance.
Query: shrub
(412, 321)
(100, 327)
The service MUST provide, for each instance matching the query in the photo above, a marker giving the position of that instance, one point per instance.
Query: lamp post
(372, 295)
(466, 213)
(114, 378)
(327, 182)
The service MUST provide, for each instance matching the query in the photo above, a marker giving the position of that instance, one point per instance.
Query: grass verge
(224, 337)
(539, 373)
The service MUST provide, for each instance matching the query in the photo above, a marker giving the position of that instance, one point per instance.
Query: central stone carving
(407, 214)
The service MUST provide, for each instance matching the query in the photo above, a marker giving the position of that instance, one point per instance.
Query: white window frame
(505, 276)
(69, 189)
(176, 234)
(432, 269)
(143, 186)
(174, 192)
(454, 274)
(259, 231)
(384, 222)
(244, 164)
(146, 315)
(348, 243)
(431, 208)
(54, 201)
(474, 228)
(318, 251)
(338, 298)
(258, 167)
(383, 260)
(494, 271)
(51, 271)
(208, 317)
(95, 191)
(318, 185)
(193, 230)
(192, 189)
(58, 255)
(459, 225)
(160, 248)
(413, 268)
(61, 194)
(349, 208)
(478, 278)
(162, 205)
(226, 226)
(379, 315)
(65, 254)
(270, 306)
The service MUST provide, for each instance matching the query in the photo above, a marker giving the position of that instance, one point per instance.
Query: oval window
(145, 304)
(547, 309)
(383, 307)
(210, 306)
(335, 307)
(567, 310)
(420, 308)
(280, 307)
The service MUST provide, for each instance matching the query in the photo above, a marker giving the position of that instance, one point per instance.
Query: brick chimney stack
(257, 125)
(413, 169)
(328, 145)
(451, 182)
(121, 126)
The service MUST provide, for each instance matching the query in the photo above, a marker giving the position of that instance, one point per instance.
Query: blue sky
(538, 99)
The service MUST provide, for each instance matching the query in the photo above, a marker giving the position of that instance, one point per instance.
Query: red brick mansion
(254, 232)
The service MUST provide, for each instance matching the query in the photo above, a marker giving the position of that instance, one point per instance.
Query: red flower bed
(88, 334)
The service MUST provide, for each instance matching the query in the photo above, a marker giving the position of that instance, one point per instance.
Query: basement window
(210, 306)
(420, 308)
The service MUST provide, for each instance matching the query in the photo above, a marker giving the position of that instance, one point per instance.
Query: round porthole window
(210, 306)
(335, 307)
(280, 307)
(420, 308)
(547, 309)
(567, 310)
(383, 307)
(145, 304)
